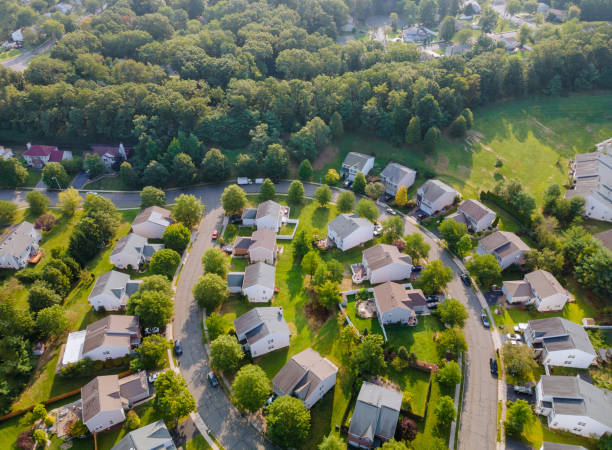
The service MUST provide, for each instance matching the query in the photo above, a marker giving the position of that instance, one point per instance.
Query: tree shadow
(320, 217)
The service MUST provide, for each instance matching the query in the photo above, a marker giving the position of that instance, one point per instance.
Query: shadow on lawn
(320, 217)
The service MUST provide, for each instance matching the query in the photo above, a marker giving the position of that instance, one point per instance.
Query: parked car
(235, 219)
(215, 235)
(417, 268)
(270, 399)
(152, 330)
(466, 279)
(212, 379)
(153, 376)
(513, 337)
(485, 320)
(421, 216)
(347, 183)
(520, 328)
(177, 348)
(228, 249)
(493, 365)
(523, 390)
(432, 298)
(391, 211)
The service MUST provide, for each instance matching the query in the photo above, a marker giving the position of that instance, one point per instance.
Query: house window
(271, 347)
(567, 363)
(577, 429)
(571, 357)
(581, 424)
(270, 341)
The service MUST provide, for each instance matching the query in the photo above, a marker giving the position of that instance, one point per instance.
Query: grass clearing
(33, 178)
(536, 431)
(197, 443)
(13, 53)
(107, 183)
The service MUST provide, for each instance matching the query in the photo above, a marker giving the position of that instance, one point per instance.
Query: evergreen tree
(432, 137)
(336, 126)
(305, 170)
(413, 131)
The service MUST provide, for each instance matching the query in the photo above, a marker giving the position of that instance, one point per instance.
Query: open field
(108, 183)
(534, 138)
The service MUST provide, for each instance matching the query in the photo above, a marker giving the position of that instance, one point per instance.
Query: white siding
(268, 222)
(123, 260)
(149, 230)
(108, 352)
(321, 390)
(105, 419)
(108, 302)
(569, 358)
(258, 293)
(485, 222)
(396, 315)
(596, 209)
(552, 303)
(391, 272)
(357, 237)
(268, 344)
(582, 425)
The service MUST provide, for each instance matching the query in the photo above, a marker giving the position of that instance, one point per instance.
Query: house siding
(552, 303)
(105, 419)
(391, 272)
(561, 358)
(269, 344)
(258, 294)
(109, 303)
(268, 222)
(321, 390)
(108, 352)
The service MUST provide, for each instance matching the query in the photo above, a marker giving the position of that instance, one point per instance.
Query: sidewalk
(203, 429)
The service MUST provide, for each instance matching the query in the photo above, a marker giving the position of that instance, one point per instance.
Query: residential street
(478, 420)
(20, 63)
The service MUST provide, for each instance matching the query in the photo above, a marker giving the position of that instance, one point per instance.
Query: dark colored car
(493, 365)
(432, 298)
(178, 350)
(417, 268)
(212, 379)
(235, 219)
(466, 279)
(485, 320)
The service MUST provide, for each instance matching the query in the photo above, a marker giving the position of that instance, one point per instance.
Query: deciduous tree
(176, 237)
(295, 194)
(416, 246)
(452, 312)
(288, 421)
(359, 183)
(165, 262)
(37, 202)
(152, 353)
(267, 190)
(401, 196)
(153, 308)
(51, 321)
(233, 199)
(367, 209)
(216, 261)
(188, 210)
(518, 414)
(450, 374)
(368, 357)
(69, 201)
(484, 269)
(435, 277)
(210, 291)
(305, 170)
(346, 202)
(152, 196)
(251, 388)
(172, 397)
(445, 410)
(323, 195)
(225, 353)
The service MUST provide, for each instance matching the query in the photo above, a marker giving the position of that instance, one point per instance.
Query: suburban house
(349, 230)
(538, 287)
(393, 305)
(261, 246)
(507, 248)
(307, 376)
(375, 415)
(109, 154)
(396, 175)
(271, 215)
(476, 216)
(592, 177)
(262, 330)
(112, 337)
(574, 405)
(418, 33)
(434, 196)
(133, 250)
(154, 436)
(105, 398)
(5, 153)
(355, 163)
(557, 446)
(559, 342)
(151, 222)
(18, 246)
(605, 237)
(17, 35)
(258, 282)
(384, 262)
(112, 290)
(39, 155)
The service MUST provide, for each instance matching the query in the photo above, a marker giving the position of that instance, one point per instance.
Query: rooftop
(17, 241)
(259, 273)
(303, 373)
(376, 411)
(116, 284)
(345, 224)
(518, 288)
(474, 209)
(395, 172)
(356, 160)
(268, 208)
(265, 238)
(100, 394)
(260, 322)
(150, 437)
(544, 283)
(390, 295)
(558, 334)
(431, 190)
(154, 214)
(382, 255)
(503, 243)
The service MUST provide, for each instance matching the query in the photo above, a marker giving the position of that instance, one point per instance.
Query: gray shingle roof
(259, 273)
(382, 255)
(345, 224)
(544, 283)
(110, 283)
(474, 209)
(573, 395)
(558, 334)
(260, 322)
(249, 213)
(390, 295)
(155, 214)
(432, 189)
(396, 172)
(303, 373)
(356, 160)
(16, 242)
(150, 437)
(503, 242)
(100, 394)
(268, 208)
(134, 386)
(114, 329)
(131, 242)
(518, 288)
(376, 412)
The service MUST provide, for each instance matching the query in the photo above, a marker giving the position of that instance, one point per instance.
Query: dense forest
(271, 72)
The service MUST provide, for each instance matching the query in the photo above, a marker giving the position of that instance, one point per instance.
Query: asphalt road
(20, 63)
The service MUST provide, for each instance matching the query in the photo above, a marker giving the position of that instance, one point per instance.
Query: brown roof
(544, 283)
(518, 288)
(390, 295)
(265, 238)
(134, 386)
(606, 238)
(474, 209)
(497, 240)
(152, 211)
(382, 255)
(415, 298)
(111, 330)
(268, 208)
(100, 394)
(303, 373)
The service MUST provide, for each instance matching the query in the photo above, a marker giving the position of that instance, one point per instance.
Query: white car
(391, 211)
(513, 337)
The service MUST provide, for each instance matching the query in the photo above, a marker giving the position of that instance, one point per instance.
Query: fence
(288, 237)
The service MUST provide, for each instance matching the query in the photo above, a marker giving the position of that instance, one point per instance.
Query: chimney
(28, 145)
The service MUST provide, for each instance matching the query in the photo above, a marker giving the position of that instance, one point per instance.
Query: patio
(65, 416)
(359, 273)
(366, 309)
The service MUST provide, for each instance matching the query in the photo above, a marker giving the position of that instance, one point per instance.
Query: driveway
(79, 180)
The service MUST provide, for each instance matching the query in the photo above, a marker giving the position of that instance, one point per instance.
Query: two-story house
(574, 405)
(261, 246)
(349, 230)
(559, 342)
(507, 248)
(18, 246)
(539, 288)
(396, 175)
(258, 282)
(262, 330)
(434, 196)
(151, 222)
(476, 216)
(112, 291)
(355, 163)
(39, 155)
(396, 305)
(384, 262)
(132, 251)
(307, 376)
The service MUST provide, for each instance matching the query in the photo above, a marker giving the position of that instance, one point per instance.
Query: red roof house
(39, 155)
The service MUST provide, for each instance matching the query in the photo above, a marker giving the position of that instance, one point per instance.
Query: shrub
(132, 421)
(78, 429)
(407, 429)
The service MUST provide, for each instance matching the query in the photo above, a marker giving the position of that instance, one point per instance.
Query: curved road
(478, 420)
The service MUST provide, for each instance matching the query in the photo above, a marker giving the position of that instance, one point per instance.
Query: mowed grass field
(534, 138)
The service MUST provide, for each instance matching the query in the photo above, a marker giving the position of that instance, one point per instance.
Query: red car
(215, 235)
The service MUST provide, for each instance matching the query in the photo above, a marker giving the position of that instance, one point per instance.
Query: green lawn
(34, 177)
(417, 339)
(10, 54)
(238, 264)
(107, 183)
(506, 221)
(533, 137)
(44, 384)
(197, 443)
(413, 381)
(536, 432)
(431, 428)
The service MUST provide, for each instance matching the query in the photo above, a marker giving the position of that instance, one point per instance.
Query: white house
(262, 330)
(109, 154)
(393, 305)
(375, 415)
(262, 247)
(592, 175)
(105, 398)
(349, 230)
(434, 196)
(307, 376)
(507, 248)
(258, 282)
(154, 436)
(133, 250)
(574, 405)
(384, 262)
(18, 246)
(540, 288)
(17, 35)
(559, 342)
(151, 222)
(418, 33)
(271, 215)
(39, 155)
(5, 153)
(396, 175)
(112, 291)
(114, 336)
(355, 163)
(476, 216)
